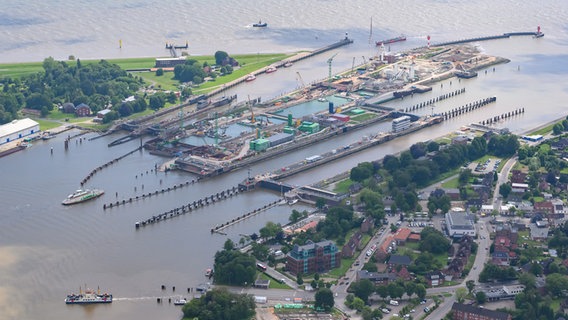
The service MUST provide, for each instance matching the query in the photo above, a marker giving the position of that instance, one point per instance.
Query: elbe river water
(47, 250)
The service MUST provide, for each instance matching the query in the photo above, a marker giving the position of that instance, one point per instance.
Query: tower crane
(352, 65)
(252, 119)
(305, 89)
(329, 61)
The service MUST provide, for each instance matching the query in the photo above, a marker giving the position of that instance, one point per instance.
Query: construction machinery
(305, 89)
(329, 61)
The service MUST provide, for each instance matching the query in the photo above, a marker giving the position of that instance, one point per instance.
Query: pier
(219, 228)
(468, 108)
(434, 100)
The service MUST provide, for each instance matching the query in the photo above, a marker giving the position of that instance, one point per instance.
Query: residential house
(518, 176)
(399, 260)
(68, 107)
(82, 110)
(435, 278)
(352, 245)
(376, 278)
(519, 187)
(367, 224)
(402, 235)
(544, 206)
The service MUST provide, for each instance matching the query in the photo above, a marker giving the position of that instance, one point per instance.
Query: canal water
(48, 250)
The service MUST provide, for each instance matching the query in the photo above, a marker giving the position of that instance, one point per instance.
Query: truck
(393, 303)
(259, 299)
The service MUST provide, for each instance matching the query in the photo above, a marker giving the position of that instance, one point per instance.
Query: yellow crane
(252, 119)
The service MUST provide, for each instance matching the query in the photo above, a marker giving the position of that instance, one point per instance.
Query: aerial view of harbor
(313, 160)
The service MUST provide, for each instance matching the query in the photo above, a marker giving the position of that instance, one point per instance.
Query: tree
(157, 101)
(299, 279)
(234, 268)
(432, 240)
(393, 228)
(229, 245)
(159, 72)
(320, 203)
(461, 293)
(557, 129)
(505, 189)
(420, 291)
(324, 299)
(382, 291)
(480, 297)
(220, 56)
(357, 304)
(219, 303)
(470, 284)
(556, 284)
(270, 230)
(363, 289)
(295, 216)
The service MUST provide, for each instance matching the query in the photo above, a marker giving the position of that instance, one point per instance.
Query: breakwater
(503, 116)
(486, 38)
(189, 207)
(468, 108)
(100, 168)
(250, 214)
(149, 194)
(434, 100)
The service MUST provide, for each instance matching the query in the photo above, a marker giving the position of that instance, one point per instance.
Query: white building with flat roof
(17, 129)
(400, 123)
(459, 224)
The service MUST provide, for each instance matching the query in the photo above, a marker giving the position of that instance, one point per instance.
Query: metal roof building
(17, 129)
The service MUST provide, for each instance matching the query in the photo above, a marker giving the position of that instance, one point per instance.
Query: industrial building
(309, 127)
(459, 224)
(169, 62)
(313, 257)
(17, 129)
(260, 144)
(280, 138)
(400, 124)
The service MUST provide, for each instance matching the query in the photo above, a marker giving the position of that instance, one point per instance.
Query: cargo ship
(393, 40)
(89, 297)
(82, 196)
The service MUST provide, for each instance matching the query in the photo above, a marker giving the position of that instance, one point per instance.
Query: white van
(393, 303)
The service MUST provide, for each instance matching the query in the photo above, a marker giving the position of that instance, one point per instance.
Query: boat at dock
(288, 64)
(180, 302)
(392, 40)
(270, 69)
(82, 195)
(88, 297)
(250, 77)
(209, 273)
(293, 201)
(260, 24)
(466, 74)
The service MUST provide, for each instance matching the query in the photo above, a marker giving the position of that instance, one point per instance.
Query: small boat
(88, 297)
(292, 201)
(250, 77)
(180, 302)
(82, 196)
(322, 99)
(393, 40)
(260, 24)
(209, 273)
(270, 69)
(288, 64)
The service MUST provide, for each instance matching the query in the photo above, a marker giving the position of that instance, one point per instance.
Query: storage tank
(331, 110)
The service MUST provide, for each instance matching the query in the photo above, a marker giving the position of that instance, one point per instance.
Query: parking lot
(487, 166)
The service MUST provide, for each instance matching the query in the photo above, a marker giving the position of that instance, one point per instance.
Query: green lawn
(274, 283)
(543, 131)
(339, 272)
(363, 117)
(453, 183)
(46, 124)
(343, 186)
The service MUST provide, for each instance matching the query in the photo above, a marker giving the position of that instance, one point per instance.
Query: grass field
(343, 186)
(274, 284)
(452, 183)
(46, 124)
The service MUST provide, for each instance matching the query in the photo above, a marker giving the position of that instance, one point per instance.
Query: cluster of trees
(95, 84)
(220, 304)
(364, 288)
(433, 241)
(492, 272)
(560, 127)
(191, 70)
(409, 171)
(233, 267)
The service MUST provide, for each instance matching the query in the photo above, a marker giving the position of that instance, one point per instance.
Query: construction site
(210, 135)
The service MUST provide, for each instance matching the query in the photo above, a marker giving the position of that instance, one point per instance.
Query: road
(483, 249)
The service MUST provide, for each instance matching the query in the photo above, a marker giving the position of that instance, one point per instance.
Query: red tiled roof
(402, 234)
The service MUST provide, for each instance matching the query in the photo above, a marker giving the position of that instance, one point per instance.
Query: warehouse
(17, 129)
(280, 138)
